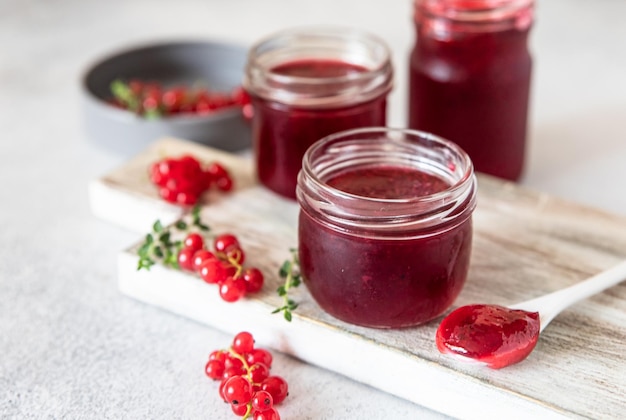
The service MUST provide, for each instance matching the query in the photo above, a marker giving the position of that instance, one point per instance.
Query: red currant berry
(271, 414)
(254, 279)
(276, 386)
(218, 355)
(259, 372)
(173, 99)
(213, 271)
(224, 242)
(167, 194)
(259, 356)
(199, 257)
(185, 257)
(220, 390)
(239, 410)
(232, 289)
(231, 270)
(217, 170)
(194, 241)
(238, 391)
(262, 400)
(156, 177)
(151, 101)
(232, 362)
(224, 184)
(190, 167)
(186, 198)
(208, 180)
(214, 369)
(230, 372)
(243, 343)
(135, 86)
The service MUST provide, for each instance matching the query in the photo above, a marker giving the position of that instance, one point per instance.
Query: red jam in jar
(306, 84)
(469, 78)
(385, 230)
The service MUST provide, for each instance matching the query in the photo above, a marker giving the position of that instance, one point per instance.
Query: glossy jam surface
(282, 133)
(489, 334)
(388, 182)
(383, 282)
(473, 89)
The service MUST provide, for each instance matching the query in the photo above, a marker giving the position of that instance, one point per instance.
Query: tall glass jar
(306, 84)
(385, 231)
(469, 78)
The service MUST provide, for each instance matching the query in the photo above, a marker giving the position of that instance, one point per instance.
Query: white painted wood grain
(526, 244)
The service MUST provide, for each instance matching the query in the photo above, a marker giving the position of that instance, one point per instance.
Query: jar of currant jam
(308, 83)
(469, 78)
(385, 228)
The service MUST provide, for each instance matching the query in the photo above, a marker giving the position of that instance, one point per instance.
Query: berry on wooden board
(223, 265)
(183, 180)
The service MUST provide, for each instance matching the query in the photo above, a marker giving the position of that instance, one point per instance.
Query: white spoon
(550, 305)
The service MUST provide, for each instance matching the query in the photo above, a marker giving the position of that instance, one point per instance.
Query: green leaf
(157, 226)
(288, 316)
(165, 238)
(284, 269)
(149, 238)
(158, 251)
(123, 93)
(281, 290)
(181, 225)
(143, 251)
(203, 227)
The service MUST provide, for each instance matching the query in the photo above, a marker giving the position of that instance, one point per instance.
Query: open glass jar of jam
(385, 225)
(308, 83)
(469, 78)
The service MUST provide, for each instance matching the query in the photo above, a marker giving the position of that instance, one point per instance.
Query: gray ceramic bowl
(218, 65)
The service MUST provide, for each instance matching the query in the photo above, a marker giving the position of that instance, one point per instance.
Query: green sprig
(159, 245)
(290, 272)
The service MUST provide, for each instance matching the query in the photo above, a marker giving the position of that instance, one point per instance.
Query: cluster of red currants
(184, 180)
(151, 99)
(222, 266)
(246, 384)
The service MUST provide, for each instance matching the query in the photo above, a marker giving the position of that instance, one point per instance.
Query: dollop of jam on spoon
(489, 334)
(499, 336)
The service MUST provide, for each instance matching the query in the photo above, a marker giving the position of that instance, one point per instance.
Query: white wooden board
(525, 244)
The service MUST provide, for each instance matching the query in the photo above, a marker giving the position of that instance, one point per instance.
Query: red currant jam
(282, 133)
(384, 282)
(388, 182)
(490, 334)
(469, 82)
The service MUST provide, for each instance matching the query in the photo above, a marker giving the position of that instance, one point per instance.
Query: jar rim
(420, 215)
(315, 42)
(468, 173)
(475, 15)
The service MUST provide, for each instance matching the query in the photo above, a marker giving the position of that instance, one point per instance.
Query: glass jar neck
(355, 49)
(387, 218)
(444, 16)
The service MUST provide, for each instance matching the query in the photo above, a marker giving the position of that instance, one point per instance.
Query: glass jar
(308, 83)
(469, 78)
(385, 229)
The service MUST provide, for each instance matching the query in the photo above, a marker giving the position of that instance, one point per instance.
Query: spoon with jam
(499, 336)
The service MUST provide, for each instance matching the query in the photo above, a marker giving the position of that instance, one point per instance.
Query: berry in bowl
(189, 90)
